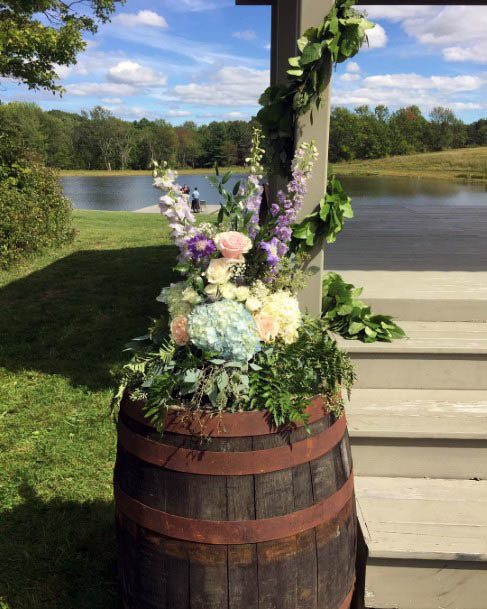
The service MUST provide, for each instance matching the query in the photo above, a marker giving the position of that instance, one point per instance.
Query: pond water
(135, 192)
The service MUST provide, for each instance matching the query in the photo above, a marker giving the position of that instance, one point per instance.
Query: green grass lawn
(462, 164)
(64, 319)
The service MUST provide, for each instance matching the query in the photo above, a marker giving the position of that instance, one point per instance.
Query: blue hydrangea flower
(224, 327)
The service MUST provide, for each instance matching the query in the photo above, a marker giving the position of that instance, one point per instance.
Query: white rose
(253, 304)
(191, 295)
(212, 290)
(228, 290)
(219, 270)
(241, 293)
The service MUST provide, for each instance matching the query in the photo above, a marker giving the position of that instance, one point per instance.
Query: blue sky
(209, 60)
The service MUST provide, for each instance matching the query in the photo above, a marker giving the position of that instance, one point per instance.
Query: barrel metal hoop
(213, 463)
(222, 425)
(229, 532)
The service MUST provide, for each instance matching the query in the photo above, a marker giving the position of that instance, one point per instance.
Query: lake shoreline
(104, 173)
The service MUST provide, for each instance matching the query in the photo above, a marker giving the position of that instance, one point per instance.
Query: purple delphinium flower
(273, 250)
(200, 246)
(253, 202)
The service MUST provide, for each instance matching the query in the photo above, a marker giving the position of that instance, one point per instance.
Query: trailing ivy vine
(327, 220)
(348, 316)
(338, 38)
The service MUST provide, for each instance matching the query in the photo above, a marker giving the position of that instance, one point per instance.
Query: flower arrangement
(234, 337)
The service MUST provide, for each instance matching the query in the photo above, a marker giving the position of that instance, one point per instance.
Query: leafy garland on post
(338, 38)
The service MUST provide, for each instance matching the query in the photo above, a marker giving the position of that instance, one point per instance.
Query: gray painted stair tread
(425, 285)
(429, 337)
(418, 413)
(423, 519)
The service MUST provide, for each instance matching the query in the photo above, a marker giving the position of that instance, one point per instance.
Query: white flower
(227, 290)
(253, 304)
(241, 293)
(191, 295)
(212, 290)
(219, 270)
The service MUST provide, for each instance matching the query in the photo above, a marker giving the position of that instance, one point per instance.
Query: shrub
(34, 213)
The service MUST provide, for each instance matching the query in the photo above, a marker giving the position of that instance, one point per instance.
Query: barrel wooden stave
(313, 569)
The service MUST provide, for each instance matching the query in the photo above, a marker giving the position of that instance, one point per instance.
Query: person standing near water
(195, 200)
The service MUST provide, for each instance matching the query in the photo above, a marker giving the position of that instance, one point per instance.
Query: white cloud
(398, 13)
(349, 77)
(142, 18)
(178, 113)
(415, 81)
(133, 73)
(475, 53)
(233, 116)
(130, 112)
(377, 38)
(458, 30)
(237, 86)
(196, 5)
(111, 100)
(267, 46)
(101, 88)
(466, 106)
(246, 35)
(450, 25)
(352, 66)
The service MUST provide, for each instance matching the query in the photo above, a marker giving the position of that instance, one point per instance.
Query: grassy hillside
(64, 319)
(461, 164)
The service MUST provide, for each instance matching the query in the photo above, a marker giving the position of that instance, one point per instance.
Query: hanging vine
(338, 38)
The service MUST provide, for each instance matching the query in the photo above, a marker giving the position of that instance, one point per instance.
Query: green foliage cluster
(327, 220)
(98, 140)
(34, 214)
(38, 35)
(338, 38)
(348, 316)
(281, 379)
(288, 376)
(376, 133)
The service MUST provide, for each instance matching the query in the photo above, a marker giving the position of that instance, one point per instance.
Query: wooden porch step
(436, 355)
(419, 432)
(425, 295)
(427, 542)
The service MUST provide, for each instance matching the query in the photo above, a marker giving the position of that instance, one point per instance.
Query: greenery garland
(328, 219)
(338, 38)
(348, 316)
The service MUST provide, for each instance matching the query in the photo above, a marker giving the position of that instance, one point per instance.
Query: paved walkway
(154, 209)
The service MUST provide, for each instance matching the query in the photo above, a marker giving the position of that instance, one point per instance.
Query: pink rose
(267, 327)
(179, 330)
(233, 244)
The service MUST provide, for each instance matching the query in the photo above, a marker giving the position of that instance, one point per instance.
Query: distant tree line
(372, 134)
(96, 139)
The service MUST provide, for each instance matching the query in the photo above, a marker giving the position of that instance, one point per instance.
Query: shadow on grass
(74, 316)
(58, 555)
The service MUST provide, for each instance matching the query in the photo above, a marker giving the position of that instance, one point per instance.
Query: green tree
(189, 144)
(408, 130)
(37, 35)
(21, 131)
(446, 130)
(477, 133)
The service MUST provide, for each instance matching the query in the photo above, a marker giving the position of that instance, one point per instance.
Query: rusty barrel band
(234, 532)
(223, 425)
(213, 463)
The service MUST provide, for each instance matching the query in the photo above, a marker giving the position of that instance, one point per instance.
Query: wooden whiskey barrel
(253, 518)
